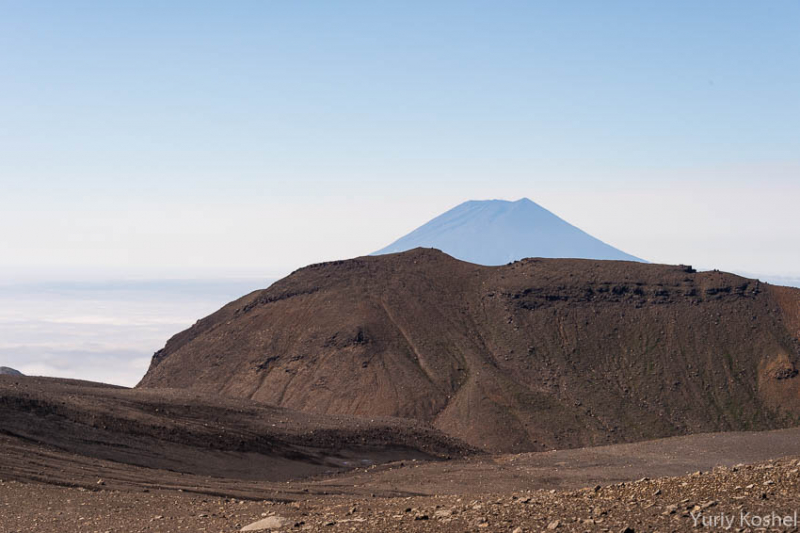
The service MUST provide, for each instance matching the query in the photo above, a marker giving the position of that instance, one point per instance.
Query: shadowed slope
(205, 435)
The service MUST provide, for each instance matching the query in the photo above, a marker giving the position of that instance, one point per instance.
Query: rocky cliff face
(538, 354)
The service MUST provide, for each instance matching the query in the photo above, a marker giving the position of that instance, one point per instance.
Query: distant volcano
(496, 232)
(4, 370)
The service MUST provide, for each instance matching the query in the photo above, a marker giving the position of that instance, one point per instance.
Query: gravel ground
(727, 498)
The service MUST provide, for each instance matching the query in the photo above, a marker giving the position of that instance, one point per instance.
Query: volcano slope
(538, 354)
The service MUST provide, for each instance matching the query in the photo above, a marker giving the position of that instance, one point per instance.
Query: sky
(196, 139)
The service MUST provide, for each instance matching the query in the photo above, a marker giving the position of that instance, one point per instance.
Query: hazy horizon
(11, 274)
(106, 331)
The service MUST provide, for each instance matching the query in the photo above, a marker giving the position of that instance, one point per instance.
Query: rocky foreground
(741, 498)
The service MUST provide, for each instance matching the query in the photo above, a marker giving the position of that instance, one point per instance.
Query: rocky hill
(537, 354)
(6, 371)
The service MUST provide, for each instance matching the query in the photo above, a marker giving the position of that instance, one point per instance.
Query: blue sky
(222, 138)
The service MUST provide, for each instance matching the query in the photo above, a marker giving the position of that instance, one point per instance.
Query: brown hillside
(537, 354)
(204, 435)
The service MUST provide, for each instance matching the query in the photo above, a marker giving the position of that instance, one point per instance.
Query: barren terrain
(642, 504)
(62, 472)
